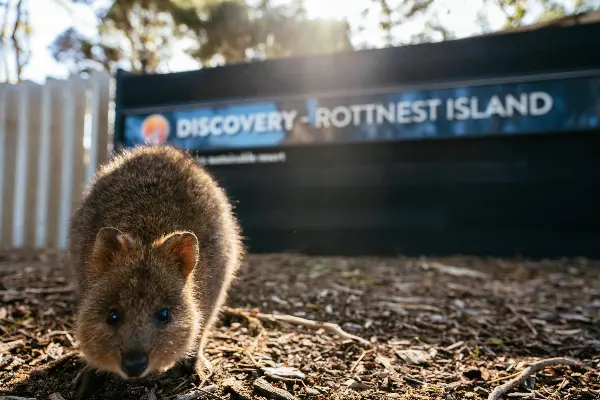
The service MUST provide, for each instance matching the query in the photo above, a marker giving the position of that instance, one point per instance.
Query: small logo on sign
(155, 129)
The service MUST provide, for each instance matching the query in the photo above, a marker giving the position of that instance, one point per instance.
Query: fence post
(56, 164)
(78, 86)
(44, 166)
(9, 163)
(4, 92)
(20, 171)
(100, 85)
(68, 162)
(33, 152)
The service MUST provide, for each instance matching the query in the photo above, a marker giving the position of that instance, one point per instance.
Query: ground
(445, 328)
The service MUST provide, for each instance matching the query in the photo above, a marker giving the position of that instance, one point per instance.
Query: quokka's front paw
(185, 367)
(88, 381)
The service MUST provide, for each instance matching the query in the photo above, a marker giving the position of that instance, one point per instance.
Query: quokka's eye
(163, 315)
(113, 317)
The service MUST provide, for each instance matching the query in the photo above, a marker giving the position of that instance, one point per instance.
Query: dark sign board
(521, 107)
(485, 145)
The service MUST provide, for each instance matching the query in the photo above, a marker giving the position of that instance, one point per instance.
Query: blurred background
(55, 38)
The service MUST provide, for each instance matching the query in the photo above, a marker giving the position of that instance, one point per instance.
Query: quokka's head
(138, 314)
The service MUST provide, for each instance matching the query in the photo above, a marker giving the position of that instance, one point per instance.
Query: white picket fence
(52, 139)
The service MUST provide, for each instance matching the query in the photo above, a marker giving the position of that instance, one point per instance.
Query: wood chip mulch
(444, 328)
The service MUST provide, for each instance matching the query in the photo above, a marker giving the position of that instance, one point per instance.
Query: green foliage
(434, 31)
(394, 13)
(142, 35)
(138, 35)
(517, 11)
(15, 36)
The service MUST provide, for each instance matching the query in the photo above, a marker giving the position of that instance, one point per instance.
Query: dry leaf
(411, 356)
(284, 372)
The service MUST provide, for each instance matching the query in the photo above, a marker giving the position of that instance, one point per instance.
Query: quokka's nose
(134, 363)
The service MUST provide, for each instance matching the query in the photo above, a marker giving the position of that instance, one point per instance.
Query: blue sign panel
(512, 108)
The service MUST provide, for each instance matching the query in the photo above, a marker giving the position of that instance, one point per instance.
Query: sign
(512, 108)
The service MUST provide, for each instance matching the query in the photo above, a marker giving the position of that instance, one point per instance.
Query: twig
(8, 346)
(265, 388)
(290, 319)
(57, 333)
(249, 355)
(329, 326)
(345, 289)
(527, 372)
(70, 338)
(211, 373)
(50, 290)
(453, 346)
(503, 378)
(182, 384)
(235, 389)
(360, 359)
(196, 394)
(66, 334)
(410, 379)
(257, 339)
(206, 392)
(559, 388)
(253, 347)
(523, 318)
(537, 392)
(252, 320)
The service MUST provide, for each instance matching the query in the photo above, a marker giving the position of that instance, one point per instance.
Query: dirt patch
(452, 328)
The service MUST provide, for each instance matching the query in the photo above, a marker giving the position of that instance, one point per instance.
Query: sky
(49, 18)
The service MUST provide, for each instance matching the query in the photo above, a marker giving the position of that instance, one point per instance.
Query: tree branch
(290, 319)
(15, 41)
(527, 372)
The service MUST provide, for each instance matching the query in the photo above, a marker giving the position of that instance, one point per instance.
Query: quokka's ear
(181, 247)
(109, 244)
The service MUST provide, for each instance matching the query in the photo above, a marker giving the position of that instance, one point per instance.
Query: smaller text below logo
(243, 158)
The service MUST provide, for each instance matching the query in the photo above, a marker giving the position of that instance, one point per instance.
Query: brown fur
(170, 240)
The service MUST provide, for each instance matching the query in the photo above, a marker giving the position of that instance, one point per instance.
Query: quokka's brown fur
(153, 230)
